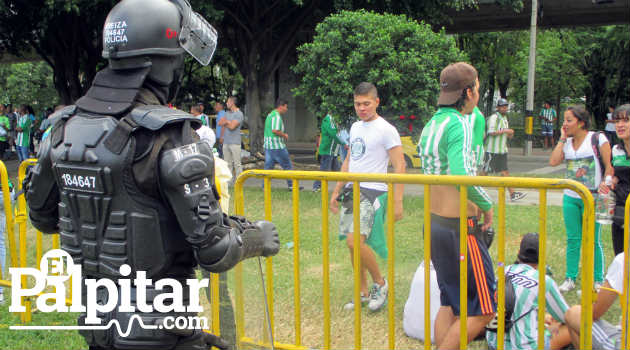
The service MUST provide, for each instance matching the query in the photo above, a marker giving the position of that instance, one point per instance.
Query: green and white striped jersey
(524, 333)
(445, 148)
(273, 122)
(497, 143)
(478, 122)
(549, 115)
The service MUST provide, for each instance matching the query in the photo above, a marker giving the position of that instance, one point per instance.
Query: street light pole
(531, 75)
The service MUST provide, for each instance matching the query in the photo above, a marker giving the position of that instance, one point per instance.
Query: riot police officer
(126, 181)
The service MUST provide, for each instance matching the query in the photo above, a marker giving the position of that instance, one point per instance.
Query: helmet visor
(197, 36)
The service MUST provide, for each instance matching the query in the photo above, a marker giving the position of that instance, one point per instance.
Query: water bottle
(605, 205)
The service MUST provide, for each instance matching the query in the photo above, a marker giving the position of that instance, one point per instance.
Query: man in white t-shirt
(373, 144)
(605, 335)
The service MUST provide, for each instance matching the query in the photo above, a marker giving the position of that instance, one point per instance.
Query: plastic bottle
(605, 205)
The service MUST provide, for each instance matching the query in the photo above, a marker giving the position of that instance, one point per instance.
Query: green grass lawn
(408, 254)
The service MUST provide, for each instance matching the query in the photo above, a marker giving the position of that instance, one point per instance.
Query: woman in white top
(576, 148)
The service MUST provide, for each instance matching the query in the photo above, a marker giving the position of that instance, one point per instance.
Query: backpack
(596, 152)
(510, 302)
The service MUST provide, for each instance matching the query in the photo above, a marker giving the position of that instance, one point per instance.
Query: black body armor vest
(104, 219)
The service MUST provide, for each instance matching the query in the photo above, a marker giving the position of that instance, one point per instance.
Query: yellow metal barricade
(500, 182)
(10, 224)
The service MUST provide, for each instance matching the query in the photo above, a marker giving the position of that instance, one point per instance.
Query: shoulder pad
(63, 113)
(57, 128)
(154, 117)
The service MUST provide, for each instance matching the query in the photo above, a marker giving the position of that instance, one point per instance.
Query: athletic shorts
(606, 336)
(495, 162)
(547, 129)
(366, 219)
(445, 257)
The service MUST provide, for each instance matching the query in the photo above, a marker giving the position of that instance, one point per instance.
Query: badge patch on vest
(80, 179)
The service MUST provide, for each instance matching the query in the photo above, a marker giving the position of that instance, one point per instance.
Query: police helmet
(502, 102)
(137, 29)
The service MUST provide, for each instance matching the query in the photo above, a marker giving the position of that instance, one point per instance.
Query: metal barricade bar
(426, 180)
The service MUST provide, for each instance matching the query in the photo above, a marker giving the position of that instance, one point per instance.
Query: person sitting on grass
(524, 278)
(605, 335)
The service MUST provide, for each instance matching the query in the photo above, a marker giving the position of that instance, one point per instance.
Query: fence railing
(427, 180)
(20, 253)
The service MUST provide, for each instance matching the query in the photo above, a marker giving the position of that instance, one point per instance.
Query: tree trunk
(503, 86)
(490, 96)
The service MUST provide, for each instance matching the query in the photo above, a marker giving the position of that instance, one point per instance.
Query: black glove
(271, 245)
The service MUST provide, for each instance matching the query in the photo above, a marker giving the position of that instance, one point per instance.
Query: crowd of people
(457, 140)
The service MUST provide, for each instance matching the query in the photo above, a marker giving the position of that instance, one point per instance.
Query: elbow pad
(227, 246)
(187, 181)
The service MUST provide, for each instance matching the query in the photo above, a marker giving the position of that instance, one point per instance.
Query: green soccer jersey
(329, 143)
(549, 115)
(497, 143)
(524, 332)
(445, 148)
(4, 123)
(23, 137)
(478, 122)
(274, 122)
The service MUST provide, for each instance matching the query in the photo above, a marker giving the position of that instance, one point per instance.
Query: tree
(495, 57)
(402, 57)
(28, 83)
(65, 34)
(602, 56)
(215, 82)
(262, 36)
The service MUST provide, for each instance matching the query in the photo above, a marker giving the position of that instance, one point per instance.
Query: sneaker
(350, 305)
(567, 285)
(291, 188)
(515, 196)
(317, 189)
(378, 296)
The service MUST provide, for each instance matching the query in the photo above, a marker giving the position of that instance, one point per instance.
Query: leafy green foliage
(602, 56)
(557, 71)
(494, 55)
(402, 57)
(215, 82)
(28, 83)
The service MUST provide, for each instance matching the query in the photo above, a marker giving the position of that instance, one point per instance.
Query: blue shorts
(547, 129)
(445, 257)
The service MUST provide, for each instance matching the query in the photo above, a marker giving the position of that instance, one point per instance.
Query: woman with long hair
(576, 148)
(621, 179)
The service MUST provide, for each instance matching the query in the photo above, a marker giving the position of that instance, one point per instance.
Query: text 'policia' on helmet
(136, 28)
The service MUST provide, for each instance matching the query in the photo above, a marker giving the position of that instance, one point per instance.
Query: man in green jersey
(496, 145)
(275, 138)
(329, 147)
(547, 116)
(446, 149)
